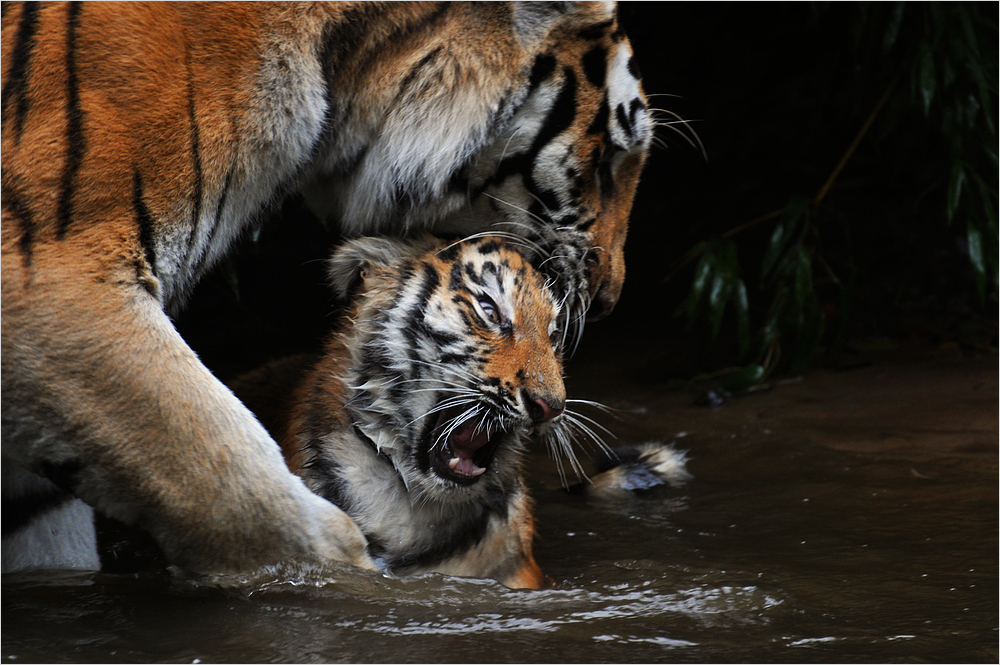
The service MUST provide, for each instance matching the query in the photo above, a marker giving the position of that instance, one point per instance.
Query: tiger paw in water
(635, 468)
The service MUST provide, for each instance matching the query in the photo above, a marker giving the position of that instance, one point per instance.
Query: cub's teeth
(476, 470)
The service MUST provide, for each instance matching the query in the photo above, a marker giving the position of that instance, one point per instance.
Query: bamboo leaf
(701, 276)
(986, 96)
(991, 153)
(803, 278)
(784, 230)
(983, 73)
(770, 331)
(892, 28)
(970, 35)
(722, 288)
(925, 76)
(955, 184)
(745, 378)
(988, 194)
(975, 241)
(742, 304)
(774, 246)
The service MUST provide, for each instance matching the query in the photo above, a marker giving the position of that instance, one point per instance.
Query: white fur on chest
(403, 522)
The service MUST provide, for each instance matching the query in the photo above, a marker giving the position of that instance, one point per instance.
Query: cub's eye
(490, 309)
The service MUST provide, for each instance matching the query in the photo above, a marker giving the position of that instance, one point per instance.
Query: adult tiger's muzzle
(607, 278)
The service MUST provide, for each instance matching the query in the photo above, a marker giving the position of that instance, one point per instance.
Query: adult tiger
(140, 139)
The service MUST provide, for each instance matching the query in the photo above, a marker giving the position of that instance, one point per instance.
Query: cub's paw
(634, 468)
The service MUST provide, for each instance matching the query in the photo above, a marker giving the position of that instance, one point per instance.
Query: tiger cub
(415, 419)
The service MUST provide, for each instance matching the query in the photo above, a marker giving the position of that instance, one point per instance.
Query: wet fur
(358, 429)
(352, 422)
(630, 469)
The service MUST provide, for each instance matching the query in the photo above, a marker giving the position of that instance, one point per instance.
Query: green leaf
(795, 213)
(745, 378)
(978, 66)
(955, 184)
(975, 239)
(770, 331)
(970, 35)
(971, 108)
(701, 275)
(991, 154)
(803, 278)
(892, 28)
(778, 238)
(988, 195)
(722, 288)
(925, 76)
(742, 304)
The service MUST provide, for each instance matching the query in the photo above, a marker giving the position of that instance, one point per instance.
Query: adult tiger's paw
(339, 538)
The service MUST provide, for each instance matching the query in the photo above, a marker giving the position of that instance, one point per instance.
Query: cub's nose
(542, 409)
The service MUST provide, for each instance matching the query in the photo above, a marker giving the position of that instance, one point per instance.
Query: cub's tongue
(464, 442)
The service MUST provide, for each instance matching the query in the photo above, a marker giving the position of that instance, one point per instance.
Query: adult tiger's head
(544, 138)
(564, 171)
(451, 358)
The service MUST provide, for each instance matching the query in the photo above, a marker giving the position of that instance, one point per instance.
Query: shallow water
(847, 517)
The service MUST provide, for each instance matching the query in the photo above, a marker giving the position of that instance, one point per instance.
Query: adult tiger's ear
(354, 261)
(533, 20)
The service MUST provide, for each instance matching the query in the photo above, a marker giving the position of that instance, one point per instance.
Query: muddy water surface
(848, 516)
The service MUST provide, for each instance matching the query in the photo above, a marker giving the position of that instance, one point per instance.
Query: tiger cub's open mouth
(467, 451)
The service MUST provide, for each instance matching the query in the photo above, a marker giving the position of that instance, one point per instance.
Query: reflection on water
(849, 517)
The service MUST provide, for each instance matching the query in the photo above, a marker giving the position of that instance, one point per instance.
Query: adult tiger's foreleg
(103, 397)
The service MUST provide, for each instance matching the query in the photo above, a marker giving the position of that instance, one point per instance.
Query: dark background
(775, 94)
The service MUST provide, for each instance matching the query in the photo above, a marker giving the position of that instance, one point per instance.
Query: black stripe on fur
(144, 220)
(597, 30)
(74, 121)
(595, 66)
(13, 200)
(220, 206)
(15, 87)
(195, 157)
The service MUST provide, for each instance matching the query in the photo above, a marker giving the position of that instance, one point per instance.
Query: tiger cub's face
(454, 359)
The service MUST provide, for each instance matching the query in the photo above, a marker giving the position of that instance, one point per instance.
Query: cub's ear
(533, 20)
(355, 260)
